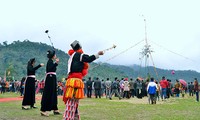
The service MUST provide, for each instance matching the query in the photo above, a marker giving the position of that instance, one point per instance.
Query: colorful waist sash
(74, 88)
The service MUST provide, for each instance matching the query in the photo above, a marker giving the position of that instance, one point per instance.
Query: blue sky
(172, 25)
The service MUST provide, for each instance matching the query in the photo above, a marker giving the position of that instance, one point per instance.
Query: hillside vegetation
(14, 58)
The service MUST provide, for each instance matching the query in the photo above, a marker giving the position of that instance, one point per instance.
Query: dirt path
(10, 99)
(15, 99)
(38, 97)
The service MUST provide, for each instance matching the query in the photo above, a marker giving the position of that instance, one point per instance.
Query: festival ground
(104, 109)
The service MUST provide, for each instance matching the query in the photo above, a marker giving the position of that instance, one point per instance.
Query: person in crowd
(126, 89)
(102, 87)
(191, 89)
(12, 86)
(37, 87)
(144, 86)
(97, 88)
(196, 89)
(163, 84)
(85, 87)
(3, 87)
(29, 90)
(182, 89)
(93, 90)
(114, 87)
(42, 86)
(170, 86)
(132, 90)
(7, 87)
(49, 97)
(177, 87)
(151, 89)
(168, 89)
(89, 87)
(77, 69)
(16, 83)
(157, 91)
(108, 84)
(138, 88)
(121, 86)
(60, 88)
(22, 86)
(135, 88)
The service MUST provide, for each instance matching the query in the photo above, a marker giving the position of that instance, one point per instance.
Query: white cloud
(100, 24)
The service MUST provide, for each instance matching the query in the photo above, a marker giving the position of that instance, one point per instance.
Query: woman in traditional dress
(29, 92)
(49, 97)
(77, 69)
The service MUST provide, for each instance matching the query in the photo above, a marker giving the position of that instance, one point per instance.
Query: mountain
(14, 58)
(136, 70)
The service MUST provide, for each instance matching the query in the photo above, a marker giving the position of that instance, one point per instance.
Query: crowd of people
(17, 86)
(122, 88)
(127, 88)
(76, 87)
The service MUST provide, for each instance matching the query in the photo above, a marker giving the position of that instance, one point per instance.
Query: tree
(10, 71)
(5, 43)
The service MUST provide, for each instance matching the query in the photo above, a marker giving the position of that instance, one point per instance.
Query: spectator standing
(138, 88)
(132, 91)
(22, 86)
(102, 87)
(151, 89)
(163, 84)
(157, 91)
(3, 87)
(196, 89)
(42, 86)
(126, 88)
(89, 87)
(121, 84)
(177, 88)
(97, 88)
(191, 89)
(114, 87)
(85, 87)
(108, 84)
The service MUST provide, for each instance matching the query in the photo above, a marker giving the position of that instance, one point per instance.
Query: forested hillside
(14, 58)
(136, 70)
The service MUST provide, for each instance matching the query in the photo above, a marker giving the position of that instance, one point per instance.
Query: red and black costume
(77, 69)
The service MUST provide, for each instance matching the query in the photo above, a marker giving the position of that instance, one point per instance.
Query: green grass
(8, 95)
(104, 109)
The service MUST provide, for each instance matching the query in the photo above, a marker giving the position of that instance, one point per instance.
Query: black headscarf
(31, 61)
(50, 53)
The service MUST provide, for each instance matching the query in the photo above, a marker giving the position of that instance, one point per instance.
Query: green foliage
(15, 56)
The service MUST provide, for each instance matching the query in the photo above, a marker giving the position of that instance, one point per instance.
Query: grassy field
(104, 109)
